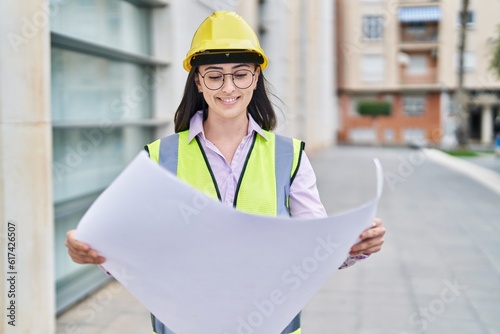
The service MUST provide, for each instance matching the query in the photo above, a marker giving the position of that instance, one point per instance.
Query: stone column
(26, 208)
(487, 125)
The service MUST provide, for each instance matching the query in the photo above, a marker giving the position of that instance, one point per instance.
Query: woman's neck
(226, 134)
(217, 128)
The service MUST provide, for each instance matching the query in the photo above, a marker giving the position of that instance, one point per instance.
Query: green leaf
(374, 108)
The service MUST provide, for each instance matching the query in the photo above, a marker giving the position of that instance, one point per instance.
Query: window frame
(470, 61)
(421, 98)
(369, 76)
(373, 27)
(471, 19)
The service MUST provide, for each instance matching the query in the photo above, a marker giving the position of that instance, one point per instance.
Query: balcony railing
(422, 34)
(428, 75)
(427, 37)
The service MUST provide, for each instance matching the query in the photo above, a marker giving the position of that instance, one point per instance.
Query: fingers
(374, 232)
(90, 257)
(366, 251)
(369, 246)
(372, 240)
(74, 244)
(377, 230)
(80, 252)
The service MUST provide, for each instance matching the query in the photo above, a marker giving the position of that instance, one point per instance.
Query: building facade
(85, 84)
(405, 52)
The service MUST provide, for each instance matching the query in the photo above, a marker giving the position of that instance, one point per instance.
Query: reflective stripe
(292, 328)
(159, 327)
(168, 151)
(284, 162)
(258, 181)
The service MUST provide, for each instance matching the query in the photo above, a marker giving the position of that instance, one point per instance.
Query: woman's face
(229, 95)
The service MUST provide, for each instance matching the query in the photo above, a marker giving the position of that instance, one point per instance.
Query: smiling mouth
(228, 99)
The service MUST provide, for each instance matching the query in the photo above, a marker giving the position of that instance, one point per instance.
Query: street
(438, 271)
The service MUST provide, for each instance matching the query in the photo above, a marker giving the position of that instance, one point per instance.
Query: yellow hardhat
(224, 37)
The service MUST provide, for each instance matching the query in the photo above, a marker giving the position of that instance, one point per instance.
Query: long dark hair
(260, 107)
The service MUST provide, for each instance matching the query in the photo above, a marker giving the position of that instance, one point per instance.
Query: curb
(482, 175)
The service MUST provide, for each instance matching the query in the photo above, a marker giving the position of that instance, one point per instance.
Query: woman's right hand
(81, 252)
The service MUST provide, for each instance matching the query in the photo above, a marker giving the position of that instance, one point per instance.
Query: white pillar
(326, 105)
(25, 168)
(249, 10)
(487, 124)
(299, 44)
(281, 43)
(447, 138)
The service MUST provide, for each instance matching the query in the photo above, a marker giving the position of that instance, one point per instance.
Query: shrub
(374, 108)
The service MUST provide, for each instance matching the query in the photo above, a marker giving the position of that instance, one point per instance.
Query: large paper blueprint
(202, 267)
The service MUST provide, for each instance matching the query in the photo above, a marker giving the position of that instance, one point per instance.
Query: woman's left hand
(371, 240)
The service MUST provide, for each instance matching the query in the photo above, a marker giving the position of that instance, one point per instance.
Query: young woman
(223, 145)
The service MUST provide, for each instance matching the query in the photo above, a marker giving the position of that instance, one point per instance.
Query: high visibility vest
(263, 187)
(264, 184)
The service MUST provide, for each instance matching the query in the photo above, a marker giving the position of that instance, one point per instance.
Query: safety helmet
(224, 37)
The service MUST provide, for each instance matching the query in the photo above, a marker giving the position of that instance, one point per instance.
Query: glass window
(417, 65)
(86, 160)
(362, 135)
(67, 215)
(389, 135)
(469, 61)
(114, 23)
(372, 68)
(469, 19)
(414, 105)
(373, 27)
(412, 135)
(92, 88)
(99, 106)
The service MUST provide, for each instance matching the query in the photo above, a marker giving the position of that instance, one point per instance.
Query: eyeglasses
(214, 80)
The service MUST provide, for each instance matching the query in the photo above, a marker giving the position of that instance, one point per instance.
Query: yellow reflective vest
(264, 184)
(263, 187)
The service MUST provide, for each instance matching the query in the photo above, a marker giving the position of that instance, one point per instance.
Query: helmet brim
(226, 56)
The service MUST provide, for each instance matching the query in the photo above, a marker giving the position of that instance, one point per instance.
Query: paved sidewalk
(439, 271)
(489, 161)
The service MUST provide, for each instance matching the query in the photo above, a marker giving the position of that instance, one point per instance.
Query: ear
(257, 74)
(197, 82)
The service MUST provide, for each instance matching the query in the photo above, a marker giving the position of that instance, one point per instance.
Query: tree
(495, 60)
(461, 132)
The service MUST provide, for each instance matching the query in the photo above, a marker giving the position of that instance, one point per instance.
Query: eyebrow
(220, 68)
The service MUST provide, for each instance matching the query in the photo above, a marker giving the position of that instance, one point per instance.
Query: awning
(420, 14)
